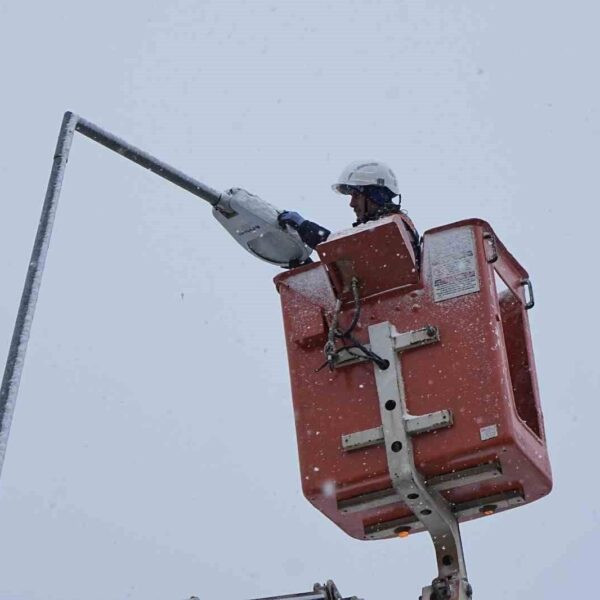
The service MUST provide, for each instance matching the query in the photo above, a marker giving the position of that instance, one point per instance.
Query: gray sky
(153, 453)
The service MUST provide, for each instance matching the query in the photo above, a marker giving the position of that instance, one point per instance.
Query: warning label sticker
(453, 263)
(488, 433)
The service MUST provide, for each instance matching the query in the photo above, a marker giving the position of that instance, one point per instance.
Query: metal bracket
(464, 510)
(428, 506)
(491, 238)
(414, 426)
(440, 483)
(402, 341)
(530, 303)
(445, 589)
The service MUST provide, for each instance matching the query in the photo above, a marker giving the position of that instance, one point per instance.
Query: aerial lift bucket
(414, 385)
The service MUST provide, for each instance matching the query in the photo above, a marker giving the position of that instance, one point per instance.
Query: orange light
(403, 534)
(488, 509)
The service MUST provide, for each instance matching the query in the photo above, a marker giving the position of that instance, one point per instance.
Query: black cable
(382, 363)
(332, 353)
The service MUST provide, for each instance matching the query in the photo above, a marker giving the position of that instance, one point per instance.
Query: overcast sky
(153, 453)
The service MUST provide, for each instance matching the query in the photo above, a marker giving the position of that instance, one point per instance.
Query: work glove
(291, 218)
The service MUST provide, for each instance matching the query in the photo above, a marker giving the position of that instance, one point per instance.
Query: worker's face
(362, 206)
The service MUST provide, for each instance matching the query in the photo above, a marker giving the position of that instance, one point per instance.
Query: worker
(371, 186)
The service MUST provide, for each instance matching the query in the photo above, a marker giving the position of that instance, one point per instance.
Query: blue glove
(291, 218)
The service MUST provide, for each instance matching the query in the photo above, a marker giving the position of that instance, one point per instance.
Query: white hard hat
(366, 172)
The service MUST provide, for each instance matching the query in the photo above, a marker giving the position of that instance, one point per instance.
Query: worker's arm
(310, 233)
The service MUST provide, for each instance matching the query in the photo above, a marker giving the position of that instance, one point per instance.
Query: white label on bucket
(489, 432)
(453, 263)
